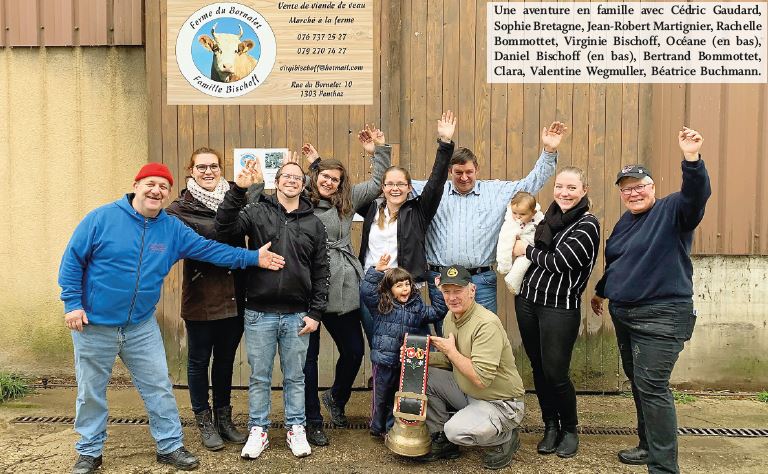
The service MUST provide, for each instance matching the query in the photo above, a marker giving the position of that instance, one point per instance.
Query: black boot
(635, 456)
(226, 428)
(316, 435)
(208, 434)
(569, 444)
(441, 449)
(548, 443)
(498, 457)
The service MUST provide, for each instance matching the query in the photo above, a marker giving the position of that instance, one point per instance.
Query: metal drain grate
(362, 424)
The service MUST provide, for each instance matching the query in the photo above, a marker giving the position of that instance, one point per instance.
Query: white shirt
(381, 241)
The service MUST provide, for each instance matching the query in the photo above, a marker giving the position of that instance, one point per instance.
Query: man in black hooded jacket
(282, 307)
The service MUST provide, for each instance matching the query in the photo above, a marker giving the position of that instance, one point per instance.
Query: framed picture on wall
(269, 160)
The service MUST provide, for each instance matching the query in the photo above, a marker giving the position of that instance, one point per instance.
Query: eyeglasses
(640, 189)
(396, 185)
(330, 178)
(201, 168)
(292, 177)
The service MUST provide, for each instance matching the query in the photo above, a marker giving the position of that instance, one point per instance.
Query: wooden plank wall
(71, 23)
(430, 56)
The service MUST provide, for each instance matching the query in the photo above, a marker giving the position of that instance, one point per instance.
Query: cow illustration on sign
(232, 60)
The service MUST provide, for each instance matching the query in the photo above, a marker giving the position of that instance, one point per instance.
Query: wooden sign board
(261, 52)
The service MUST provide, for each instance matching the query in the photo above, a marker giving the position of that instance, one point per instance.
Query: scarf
(210, 199)
(556, 220)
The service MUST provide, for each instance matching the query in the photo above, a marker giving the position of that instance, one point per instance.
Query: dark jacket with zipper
(412, 317)
(414, 217)
(299, 236)
(208, 292)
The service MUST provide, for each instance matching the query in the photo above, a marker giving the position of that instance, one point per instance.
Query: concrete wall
(729, 347)
(73, 132)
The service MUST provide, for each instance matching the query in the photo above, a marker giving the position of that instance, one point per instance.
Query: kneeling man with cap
(474, 374)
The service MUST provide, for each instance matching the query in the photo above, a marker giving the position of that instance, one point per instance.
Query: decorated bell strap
(411, 399)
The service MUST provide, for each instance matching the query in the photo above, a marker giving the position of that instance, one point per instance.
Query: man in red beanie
(110, 276)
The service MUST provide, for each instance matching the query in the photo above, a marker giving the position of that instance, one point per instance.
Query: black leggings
(548, 337)
(346, 331)
(219, 338)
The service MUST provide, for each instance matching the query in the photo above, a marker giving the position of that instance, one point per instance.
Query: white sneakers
(258, 442)
(297, 441)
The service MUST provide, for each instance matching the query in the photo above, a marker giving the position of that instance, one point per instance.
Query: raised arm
(372, 140)
(230, 222)
(433, 189)
(545, 165)
(695, 189)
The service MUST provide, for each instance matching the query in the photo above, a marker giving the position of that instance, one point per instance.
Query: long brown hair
(342, 198)
(383, 205)
(392, 276)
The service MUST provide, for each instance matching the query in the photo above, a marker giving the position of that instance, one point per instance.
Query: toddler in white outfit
(523, 214)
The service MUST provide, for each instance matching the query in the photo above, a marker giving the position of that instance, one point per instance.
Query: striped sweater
(557, 277)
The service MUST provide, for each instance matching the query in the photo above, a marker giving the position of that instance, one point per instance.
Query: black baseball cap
(633, 171)
(455, 275)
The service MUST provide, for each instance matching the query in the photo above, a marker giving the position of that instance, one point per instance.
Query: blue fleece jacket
(389, 329)
(647, 256)
(115, 262)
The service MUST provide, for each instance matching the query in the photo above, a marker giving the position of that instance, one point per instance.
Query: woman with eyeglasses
(548, 306)
(335, 199)
(211, 306)
(395, 226)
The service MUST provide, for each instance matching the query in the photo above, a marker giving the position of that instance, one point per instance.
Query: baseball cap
(633, 171)
(455, 275)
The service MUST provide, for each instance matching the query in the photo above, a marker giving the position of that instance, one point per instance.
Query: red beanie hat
(155, 169)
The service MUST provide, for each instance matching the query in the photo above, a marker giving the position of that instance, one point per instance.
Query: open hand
(367, 141)
(310, 153)
(552, 136)
(270, 260)
(446, 126)
(383, 262)
(249, 175)
(290, 157)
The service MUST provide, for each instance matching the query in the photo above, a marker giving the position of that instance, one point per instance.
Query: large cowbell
(409, 435)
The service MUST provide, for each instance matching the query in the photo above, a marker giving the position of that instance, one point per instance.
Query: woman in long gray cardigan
(335, 201)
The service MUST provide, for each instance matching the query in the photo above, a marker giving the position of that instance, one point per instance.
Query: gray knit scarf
(210, 199)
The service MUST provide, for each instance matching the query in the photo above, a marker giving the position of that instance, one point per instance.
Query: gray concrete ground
(43, 448)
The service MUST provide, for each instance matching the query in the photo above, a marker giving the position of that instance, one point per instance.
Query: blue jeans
(265, 333)
(386, 381)
(650, 339)
(485, 294)
(140, 346)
